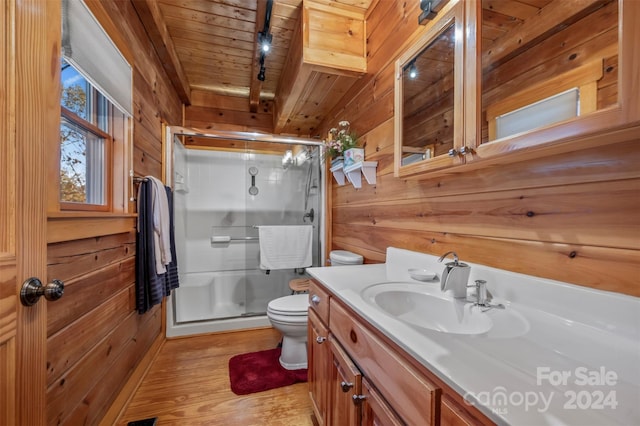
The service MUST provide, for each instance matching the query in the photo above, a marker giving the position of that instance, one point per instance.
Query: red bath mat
(261, 371)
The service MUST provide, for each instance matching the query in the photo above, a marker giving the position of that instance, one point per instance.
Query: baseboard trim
(112, 416)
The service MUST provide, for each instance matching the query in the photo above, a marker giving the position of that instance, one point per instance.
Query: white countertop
(577, 363)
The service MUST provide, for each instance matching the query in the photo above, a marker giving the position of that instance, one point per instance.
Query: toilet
(343, 257)
(289, 316)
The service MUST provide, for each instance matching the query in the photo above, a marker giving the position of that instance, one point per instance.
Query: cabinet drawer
(319, 301)
(415, 398)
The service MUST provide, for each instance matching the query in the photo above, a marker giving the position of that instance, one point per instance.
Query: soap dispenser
(455, 276)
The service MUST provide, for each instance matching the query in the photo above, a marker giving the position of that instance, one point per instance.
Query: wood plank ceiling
(211, 45)
(216, 41)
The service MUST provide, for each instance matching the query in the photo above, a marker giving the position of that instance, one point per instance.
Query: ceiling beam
(149, 13)
(255, 86)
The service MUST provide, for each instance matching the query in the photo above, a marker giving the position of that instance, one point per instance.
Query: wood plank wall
(95, 336)
(572, 217)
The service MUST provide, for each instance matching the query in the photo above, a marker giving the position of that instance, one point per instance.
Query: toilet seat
(295, 305)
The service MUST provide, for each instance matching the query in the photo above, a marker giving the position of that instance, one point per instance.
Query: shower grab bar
(218, 239)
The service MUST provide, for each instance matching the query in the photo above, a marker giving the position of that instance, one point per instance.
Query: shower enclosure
(223, 190)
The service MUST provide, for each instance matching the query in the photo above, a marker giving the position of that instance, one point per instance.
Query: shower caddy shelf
(354, 172)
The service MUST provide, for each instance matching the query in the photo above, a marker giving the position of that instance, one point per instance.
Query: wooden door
(28, 79)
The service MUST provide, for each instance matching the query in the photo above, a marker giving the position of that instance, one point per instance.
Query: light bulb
(413, 71)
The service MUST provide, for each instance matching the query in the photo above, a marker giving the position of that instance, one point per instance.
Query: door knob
(32, 289)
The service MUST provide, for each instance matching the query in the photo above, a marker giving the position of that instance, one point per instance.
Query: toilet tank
(343, 257)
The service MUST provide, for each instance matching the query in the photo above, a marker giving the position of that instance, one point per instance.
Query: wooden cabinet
(358, 377)
(429, 97)
(526, 81)
(319, 371)
(410, 393)
(327, 56)
(319, 352)
(584, 54)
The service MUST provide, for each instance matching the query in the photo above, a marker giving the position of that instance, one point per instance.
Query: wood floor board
(188, 384)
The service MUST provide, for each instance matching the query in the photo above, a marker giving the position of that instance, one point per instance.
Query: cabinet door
(375, 410)
(319, 367)
(452, 414)
(346, 387)
(429, 98)
(556, 71)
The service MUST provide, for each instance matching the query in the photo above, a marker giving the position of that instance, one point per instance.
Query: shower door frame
(170, 132)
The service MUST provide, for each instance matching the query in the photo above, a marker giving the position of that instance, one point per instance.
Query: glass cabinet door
(429, 98)
(550, 71)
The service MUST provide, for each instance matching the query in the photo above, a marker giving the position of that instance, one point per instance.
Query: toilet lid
(346, 257)
(296, 304)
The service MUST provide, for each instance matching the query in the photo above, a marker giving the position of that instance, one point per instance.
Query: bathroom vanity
(385, 348)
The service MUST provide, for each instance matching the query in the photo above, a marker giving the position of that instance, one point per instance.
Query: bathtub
(209, 302)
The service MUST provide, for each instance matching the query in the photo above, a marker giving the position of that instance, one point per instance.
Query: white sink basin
(422, 306)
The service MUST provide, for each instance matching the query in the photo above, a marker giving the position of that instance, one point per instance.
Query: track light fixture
(427, 10)
(264, 40)
(261, 75)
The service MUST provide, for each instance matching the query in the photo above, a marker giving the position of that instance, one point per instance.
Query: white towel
(161, 225)
(285, 247)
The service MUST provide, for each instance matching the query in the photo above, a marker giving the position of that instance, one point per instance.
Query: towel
(152, 287)
(285, 247)
(161, 225)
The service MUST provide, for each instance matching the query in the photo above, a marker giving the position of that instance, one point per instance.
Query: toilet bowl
(289, 316)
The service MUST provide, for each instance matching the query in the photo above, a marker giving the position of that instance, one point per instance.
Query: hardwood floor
(188, 384)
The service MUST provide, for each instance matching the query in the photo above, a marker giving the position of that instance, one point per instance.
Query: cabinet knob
(357, 399)
(345, 386)
(315, 299)
(320, 339)
(453, 152)
(466, 150)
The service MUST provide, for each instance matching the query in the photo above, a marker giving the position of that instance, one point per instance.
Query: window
(95, 106)
(568, 95)
(85, 143)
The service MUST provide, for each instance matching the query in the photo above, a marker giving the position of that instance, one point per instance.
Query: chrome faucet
(455, 276)
(483, 296)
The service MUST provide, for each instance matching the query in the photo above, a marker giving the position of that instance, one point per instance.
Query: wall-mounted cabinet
(429, 97)
(557, 72)
(327, 56)
(534, 80)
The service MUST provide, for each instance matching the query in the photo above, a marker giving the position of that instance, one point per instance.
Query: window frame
(108, 155)
(121, 201)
